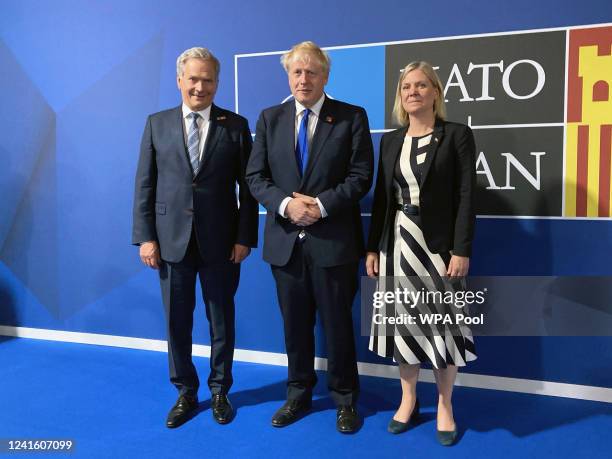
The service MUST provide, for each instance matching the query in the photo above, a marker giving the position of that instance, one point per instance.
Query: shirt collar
(205, 114)
(316, 108)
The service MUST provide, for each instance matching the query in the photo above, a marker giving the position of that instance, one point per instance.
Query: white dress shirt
(203, 124)
(313, 119)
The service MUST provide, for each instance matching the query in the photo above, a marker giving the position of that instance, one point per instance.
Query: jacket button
(189, 211)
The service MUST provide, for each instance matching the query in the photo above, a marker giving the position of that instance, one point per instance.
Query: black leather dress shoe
(290, 412)
(347, 419)
(182, 411)
(222, 410)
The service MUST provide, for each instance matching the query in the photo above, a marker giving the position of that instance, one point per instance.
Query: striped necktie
(193, 142)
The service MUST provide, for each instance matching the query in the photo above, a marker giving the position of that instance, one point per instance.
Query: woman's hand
(372, 264)
(458, 266)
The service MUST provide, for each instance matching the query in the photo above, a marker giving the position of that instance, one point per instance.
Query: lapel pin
(221, 118)
(435, 139)
(329, 119)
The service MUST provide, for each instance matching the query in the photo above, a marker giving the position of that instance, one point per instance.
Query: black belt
(408, 209)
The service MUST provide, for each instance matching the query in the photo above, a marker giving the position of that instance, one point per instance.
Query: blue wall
(76, 85)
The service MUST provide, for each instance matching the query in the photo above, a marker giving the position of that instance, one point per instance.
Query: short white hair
(196, 53)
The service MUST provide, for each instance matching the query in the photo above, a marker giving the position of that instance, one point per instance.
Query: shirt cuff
(283, 206)
(321, 208)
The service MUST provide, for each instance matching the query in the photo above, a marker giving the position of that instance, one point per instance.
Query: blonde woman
(422, 225)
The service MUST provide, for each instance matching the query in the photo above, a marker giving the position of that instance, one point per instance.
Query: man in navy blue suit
(312, 162)
(188, 223)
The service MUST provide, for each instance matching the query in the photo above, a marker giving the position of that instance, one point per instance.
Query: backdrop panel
(78, 80)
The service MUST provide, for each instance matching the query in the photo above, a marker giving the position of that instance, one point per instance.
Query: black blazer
(339, 172)
(168, 200)
(447, 189)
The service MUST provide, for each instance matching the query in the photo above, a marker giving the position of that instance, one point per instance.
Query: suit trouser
(219, 283)
(303, 288)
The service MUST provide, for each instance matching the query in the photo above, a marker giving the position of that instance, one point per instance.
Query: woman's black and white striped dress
(407, 256)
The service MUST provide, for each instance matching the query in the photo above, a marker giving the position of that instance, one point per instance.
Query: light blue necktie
(193, 142)
(301, 147)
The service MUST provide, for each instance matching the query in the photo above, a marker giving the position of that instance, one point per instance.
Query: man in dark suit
(188, 223)
(312, 162)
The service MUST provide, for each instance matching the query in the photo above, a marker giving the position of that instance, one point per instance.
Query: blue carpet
(113, 403)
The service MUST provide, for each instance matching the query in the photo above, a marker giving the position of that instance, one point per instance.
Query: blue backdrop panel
(91, 224)
(76, 85)
(254, 74)
(346, 84)
(26, 116)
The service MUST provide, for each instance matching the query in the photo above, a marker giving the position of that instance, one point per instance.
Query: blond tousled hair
(308, 48)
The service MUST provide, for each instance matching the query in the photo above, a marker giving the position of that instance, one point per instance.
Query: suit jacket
(448, 182)
(339, 172)
(169, 200)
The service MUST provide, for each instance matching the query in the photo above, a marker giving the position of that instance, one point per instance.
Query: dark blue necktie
(301, 147)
